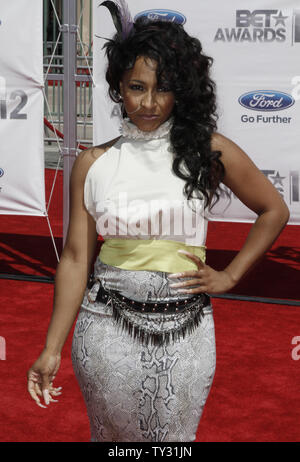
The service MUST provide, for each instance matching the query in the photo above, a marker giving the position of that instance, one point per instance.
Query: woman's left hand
(206, 278)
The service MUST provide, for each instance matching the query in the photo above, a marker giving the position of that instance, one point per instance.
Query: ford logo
(266, 100)
(163, 15)
(1, 172)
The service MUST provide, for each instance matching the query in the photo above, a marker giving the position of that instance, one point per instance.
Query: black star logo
(280, 19)
(277, 179)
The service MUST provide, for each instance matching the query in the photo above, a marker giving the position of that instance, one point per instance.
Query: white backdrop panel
(256, 48)
(22, 185)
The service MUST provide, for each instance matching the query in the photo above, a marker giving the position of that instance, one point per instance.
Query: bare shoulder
(231, 153)
(221, 143)
(216, 141)
(245, 179)
(239, 168)
(86, 158)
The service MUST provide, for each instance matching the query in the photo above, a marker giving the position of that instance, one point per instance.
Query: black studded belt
(176, 319)
(152, 307)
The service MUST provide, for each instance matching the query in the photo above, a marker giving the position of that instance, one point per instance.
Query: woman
(143, 348)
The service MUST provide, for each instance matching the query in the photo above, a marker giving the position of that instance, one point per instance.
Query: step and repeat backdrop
(22, 184)
(256, 48)
(256, 51)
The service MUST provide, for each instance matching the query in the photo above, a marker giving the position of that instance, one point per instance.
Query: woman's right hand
(41, 375)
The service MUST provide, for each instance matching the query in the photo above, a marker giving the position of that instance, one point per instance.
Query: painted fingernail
(174, 275)
(41, 405)
(46, 396)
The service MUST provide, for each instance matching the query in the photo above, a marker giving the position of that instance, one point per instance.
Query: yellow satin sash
(150, 254)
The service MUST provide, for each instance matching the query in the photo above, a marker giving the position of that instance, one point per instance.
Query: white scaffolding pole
(69, 31)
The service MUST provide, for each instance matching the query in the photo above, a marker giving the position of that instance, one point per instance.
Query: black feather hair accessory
(121, 17)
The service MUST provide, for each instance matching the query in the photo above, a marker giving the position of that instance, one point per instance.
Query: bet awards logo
(287, 184)
(290, 187)
(260, 26)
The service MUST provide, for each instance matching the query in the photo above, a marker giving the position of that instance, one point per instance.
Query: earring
(122, 109)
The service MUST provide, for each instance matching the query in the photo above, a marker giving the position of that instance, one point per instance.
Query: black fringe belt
(154, 322)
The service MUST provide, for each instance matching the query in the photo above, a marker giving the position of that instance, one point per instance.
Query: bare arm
(74, 266)
(250, 185)
(70, 281)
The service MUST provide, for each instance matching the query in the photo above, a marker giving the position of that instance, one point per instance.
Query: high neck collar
(130, 130)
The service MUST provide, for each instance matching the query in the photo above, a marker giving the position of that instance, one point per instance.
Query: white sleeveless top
(132, 193)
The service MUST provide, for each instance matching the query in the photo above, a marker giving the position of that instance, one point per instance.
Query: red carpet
(254, 396)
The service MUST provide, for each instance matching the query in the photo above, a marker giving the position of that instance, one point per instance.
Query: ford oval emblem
(266, 100)
(163, 15)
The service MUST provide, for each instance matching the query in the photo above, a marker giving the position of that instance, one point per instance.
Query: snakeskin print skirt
(133, 392)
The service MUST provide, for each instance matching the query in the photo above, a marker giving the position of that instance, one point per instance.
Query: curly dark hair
(182, 64)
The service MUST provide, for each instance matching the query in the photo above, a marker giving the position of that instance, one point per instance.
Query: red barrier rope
(59, 134)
